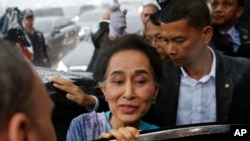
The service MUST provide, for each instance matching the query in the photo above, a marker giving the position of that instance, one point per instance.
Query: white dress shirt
(197, 98)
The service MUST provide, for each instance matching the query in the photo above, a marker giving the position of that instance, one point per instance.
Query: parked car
(89, 23)
(78, 59)
(61, 35)
(48, 12)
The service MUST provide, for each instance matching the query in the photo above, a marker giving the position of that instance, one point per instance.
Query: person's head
(163, 3)
(129, 74)
(186, 31)
(28, 18)
(153, 34)
(106, 15)
(225, 12)
(25, 107)
(147, 11)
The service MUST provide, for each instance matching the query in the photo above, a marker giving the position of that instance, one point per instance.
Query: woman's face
(129, 87)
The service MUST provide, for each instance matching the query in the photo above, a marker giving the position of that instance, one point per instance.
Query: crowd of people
(188, 64)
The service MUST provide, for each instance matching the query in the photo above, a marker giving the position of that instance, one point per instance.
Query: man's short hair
(196, 12)
(151, 5)
(16, 84)
(155, 18)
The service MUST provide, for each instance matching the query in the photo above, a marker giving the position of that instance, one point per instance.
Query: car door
(57, 38)
(71, 35)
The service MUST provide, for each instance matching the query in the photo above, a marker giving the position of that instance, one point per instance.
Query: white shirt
(197, 99)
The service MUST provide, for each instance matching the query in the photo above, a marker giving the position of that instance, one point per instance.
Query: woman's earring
(106, 99)
(153, 101)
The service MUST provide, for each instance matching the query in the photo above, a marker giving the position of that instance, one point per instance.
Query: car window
(48, 12)
(71, 11)
(88, 16)
(45, 26)
(58, 24)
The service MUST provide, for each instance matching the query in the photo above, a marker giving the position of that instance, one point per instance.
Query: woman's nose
(129, 91)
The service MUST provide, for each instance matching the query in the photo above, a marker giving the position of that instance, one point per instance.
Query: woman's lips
(128, 109)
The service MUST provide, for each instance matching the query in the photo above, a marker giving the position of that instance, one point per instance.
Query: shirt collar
(231, 31)
(212, 71)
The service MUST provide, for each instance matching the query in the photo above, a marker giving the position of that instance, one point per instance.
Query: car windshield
(47, 12)
(88, 16)
(45, 26)
(71, 10)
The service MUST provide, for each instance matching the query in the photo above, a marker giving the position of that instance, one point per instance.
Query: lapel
(218, 42)
(244, 35)
(224, 86)
(172, 79)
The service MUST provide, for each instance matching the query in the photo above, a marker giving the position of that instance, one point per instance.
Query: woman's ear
(103, 89)
(156, 92)
(19, 127)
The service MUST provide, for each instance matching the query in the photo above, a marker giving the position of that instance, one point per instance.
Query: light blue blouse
(89, 126)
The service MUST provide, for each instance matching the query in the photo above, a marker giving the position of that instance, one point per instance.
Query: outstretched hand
(74, 93)
(122, 134)
(117, 21)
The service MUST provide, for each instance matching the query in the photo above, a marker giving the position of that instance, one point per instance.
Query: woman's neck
(116, 123)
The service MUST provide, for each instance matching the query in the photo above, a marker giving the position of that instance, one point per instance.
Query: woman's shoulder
(146, 126)
(88, 126)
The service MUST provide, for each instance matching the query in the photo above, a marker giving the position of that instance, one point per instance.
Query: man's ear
(207, 33)
(19, 127)
(239, 11)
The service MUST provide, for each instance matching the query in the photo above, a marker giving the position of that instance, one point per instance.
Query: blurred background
(68, 24)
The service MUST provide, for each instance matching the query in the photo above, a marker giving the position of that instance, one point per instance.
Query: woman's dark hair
(128, 42)
(241, 3)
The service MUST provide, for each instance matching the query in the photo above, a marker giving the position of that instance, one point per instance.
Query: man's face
(146, 13)
(183, 43)
(225, 12)
(43, 127)
(153, 35)
(28, 21)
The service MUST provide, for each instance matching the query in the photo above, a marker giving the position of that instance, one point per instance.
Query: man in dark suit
(200, 85)
(228, 37)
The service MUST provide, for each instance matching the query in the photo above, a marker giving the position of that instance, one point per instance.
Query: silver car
(61, 35)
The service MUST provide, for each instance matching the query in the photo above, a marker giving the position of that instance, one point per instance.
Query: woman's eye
(118, 82)
(141, 82)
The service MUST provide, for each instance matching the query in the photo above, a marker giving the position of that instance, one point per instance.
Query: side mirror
(55, 31)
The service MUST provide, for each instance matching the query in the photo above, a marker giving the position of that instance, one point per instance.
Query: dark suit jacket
(229, 70)
(219, 43)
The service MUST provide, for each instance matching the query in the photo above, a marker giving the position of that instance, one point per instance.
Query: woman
(128, 74)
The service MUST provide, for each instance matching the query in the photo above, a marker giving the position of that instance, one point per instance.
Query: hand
(122, 134)
(74, 93)
(117, 21)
